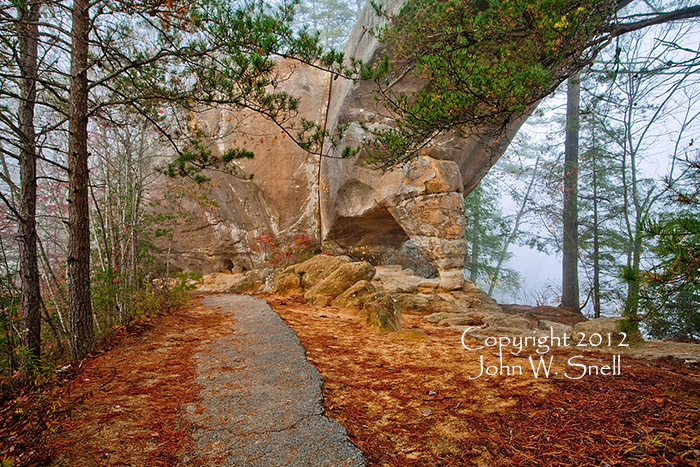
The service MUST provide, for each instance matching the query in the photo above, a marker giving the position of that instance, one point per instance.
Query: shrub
(278, 255)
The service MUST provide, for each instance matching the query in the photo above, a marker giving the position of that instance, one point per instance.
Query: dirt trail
(222, 383)
(261, 401)
(163, 398)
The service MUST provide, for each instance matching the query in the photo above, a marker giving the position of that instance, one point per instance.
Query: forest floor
(413, 397)
(121, 407)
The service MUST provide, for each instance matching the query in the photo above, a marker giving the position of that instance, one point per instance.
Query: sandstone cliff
(341, 202)
(281, 198)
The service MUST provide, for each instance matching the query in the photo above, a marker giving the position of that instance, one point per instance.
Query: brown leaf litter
(410, 398)
(123, 406)
(406, 398)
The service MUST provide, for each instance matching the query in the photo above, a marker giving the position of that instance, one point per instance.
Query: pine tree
(570, 250)
(601, 242)
(670, 288)
(28, 35)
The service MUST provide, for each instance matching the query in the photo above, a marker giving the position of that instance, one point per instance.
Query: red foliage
(277, 254)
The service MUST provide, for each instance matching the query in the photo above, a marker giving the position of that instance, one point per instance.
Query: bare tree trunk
(596, 245)
(57, 335)
(632, 299)
(53, 286)
(516, 227)
(79, 299)
(6, 288)
(28, 34)
(570, 292)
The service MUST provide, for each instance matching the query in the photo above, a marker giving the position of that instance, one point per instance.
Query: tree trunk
(596, 245)
(632, 300)
(79, 299)
(28, 35)
(516, 227)
(570, 292)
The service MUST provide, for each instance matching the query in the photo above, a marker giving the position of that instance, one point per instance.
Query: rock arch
(337, 200)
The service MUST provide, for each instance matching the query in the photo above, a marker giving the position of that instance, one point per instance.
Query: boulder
(395, 279)
(398, 280)
(501, 322)
(428, 286)
(558, 329)
(414, 302)
(617, 327)
(381, 313)
(546, 313)
(254, 280)
(219, 282)
(477, 299)
(338, 281)
(355, 297)
(428, 303)
(287, 284)
(378, 308)
(314, 270)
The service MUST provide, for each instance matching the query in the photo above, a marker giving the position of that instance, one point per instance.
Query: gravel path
(261, 402)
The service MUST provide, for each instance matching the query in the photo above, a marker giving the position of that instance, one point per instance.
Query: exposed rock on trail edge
(261, 402)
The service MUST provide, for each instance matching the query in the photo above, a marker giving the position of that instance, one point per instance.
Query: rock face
(421, 201)
(371, 215)
(217, 226)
